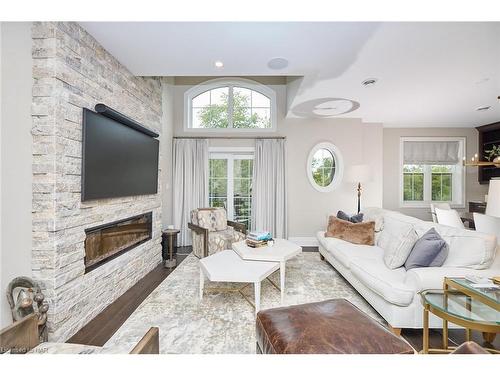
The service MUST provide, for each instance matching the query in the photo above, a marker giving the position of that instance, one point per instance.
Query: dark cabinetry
(489, 135)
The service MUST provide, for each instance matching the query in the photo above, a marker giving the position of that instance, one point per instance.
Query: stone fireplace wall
(71, 71)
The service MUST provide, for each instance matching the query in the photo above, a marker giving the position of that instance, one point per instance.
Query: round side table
(167, 247)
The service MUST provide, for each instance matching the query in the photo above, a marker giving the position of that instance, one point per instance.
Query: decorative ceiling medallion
(325, 107)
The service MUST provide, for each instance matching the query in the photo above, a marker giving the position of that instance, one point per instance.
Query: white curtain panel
(269, 191)
(190, 185)
(431, 152)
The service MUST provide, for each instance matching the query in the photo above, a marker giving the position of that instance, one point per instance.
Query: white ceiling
(429, 74)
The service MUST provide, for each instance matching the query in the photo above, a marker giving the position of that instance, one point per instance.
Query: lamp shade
(493, 205)
(359, 173)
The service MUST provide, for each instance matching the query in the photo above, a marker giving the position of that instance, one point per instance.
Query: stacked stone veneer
(71, 71)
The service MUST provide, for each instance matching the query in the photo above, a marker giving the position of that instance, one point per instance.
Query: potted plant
(493, 155)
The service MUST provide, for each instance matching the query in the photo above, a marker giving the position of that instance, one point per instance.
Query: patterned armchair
(212, 232)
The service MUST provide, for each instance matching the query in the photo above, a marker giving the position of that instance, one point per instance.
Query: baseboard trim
(304, 241)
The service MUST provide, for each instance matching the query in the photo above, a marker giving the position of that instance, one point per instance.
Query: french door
(230, 184)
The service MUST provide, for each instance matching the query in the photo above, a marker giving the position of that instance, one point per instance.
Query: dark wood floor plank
(100, 329)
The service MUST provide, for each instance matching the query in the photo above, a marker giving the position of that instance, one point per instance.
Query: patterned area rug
(224, 322)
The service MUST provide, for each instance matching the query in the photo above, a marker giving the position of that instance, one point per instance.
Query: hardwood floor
(103, 326)
(455, 338)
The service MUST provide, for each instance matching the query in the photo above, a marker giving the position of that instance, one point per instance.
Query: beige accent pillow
(397, 240)
(356, 233)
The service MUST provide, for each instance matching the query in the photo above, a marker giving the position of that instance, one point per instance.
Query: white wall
(308, 209)
(16, 157)
(473, 190)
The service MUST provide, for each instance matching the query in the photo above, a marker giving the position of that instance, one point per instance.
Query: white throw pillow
(397, 240)
(376, 215)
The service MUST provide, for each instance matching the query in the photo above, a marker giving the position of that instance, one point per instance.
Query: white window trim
(427, 194)
(231, 82)
(339, 167)
(231, 154)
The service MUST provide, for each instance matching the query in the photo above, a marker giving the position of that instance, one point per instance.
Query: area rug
(223, 322)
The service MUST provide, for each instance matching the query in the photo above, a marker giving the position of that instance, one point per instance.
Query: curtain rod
(229, 137)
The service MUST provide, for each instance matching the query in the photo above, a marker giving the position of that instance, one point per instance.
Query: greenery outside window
(325, 167)
(230, 184)
(413, 182)
(427, 182)
(230, 105)
(442, 183)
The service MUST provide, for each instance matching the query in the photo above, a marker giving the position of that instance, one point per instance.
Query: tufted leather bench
(330, 327)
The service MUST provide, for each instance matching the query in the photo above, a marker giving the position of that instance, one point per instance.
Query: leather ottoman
(330, 327)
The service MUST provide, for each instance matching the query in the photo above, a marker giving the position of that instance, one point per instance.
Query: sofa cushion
(377, 215)
(223, 240)
(344, 251)
(430, 250)
(387, 283)
(467, 248)
(356, 233)
(397, 240)
(432, 277)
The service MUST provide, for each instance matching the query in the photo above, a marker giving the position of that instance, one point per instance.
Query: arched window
(230, 104)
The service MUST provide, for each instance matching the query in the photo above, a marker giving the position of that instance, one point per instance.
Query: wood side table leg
(171, 246)
(282, 280)
(425, 343)
(170, 262)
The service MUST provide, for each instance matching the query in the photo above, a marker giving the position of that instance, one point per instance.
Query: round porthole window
(325, 167)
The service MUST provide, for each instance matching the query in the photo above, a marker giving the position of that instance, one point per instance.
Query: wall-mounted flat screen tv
(118, 160)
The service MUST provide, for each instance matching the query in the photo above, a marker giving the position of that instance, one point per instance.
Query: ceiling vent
(277, 63)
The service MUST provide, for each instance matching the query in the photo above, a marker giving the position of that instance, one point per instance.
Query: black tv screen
(118, 161)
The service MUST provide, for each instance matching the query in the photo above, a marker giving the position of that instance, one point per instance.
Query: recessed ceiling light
(483, 108)
(277, 63)
(369, 82)
(219, 64)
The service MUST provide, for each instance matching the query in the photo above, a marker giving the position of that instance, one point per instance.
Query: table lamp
(359, 173)
(493, 204)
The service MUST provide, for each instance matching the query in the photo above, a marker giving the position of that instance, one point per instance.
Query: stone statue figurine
(22, 293)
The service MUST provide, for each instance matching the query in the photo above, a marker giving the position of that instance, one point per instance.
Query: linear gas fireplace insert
(107, 241)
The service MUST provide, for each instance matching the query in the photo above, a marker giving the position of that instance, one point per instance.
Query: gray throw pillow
(358, 218)
(430, 250)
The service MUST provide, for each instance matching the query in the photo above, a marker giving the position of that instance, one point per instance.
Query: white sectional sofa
(394, 293)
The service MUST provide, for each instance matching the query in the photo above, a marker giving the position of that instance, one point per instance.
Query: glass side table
(490, 297)
(462, 309)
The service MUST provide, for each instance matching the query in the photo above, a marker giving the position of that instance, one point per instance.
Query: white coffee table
(227, 266)
(279, 253)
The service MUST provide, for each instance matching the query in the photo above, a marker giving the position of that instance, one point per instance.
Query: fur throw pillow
(356, 233)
